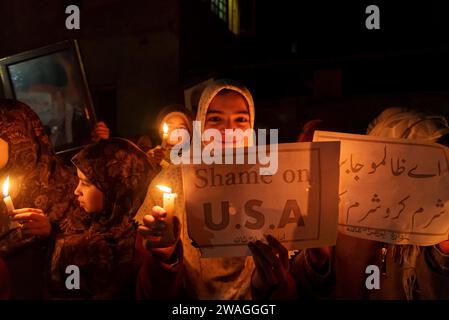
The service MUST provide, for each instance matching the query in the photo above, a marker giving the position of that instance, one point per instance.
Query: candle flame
(165, 128)
(6, 187)
(164, 188)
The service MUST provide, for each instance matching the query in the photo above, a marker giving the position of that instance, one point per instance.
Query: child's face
(228, 111)
(173, 122)
(91, 199)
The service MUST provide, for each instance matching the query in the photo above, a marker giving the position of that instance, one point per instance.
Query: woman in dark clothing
(44, 188)
(38, 180)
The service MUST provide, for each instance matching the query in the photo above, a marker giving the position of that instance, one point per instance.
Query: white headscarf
(408, 124)
(213, 89)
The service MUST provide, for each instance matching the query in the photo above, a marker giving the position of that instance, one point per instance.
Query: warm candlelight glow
(6, 198)
(164, 188)
(169, 207)
(164, 135)
(6, 187)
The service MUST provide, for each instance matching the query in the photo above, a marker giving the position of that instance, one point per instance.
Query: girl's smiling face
(227, 111)
(91, 199)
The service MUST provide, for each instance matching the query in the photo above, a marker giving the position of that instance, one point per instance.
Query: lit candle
(169, 207)
(9, 205)
(164, 135)
(163, 163)
(6, 197)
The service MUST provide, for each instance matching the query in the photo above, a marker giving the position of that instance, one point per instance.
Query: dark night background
(301, 59)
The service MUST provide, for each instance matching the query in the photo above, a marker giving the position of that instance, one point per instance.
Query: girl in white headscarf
(224, 104)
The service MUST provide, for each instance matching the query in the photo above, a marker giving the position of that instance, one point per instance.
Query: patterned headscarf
(101, 244)
(38, 178)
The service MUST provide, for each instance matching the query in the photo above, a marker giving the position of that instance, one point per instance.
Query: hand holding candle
(169, 207)
(34, 221)
(161, 228)
(9, 205)
(6, 198)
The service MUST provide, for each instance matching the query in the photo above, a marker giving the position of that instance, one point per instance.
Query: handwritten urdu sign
(229, 205)
(392, 190)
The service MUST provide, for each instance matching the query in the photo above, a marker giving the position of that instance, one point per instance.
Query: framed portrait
(52, 81)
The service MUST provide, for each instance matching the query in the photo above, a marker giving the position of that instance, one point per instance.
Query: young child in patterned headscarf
(100, 240)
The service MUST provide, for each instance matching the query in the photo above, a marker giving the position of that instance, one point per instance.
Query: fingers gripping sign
(272, 276)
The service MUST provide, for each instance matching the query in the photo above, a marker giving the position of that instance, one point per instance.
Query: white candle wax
(169, 203)
(164, 140)
(169, 207)
(9, 204)
(164, 135)
(10, 208)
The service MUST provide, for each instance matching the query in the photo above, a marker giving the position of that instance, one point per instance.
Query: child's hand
(157, 154)
(155, 233)
(100, 132)
(272, 277)
(34, 221)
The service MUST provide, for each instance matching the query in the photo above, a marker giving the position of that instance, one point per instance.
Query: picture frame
(52, 81)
